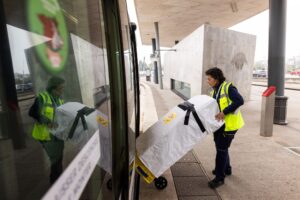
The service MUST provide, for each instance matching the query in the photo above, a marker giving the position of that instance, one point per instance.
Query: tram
(90, 44)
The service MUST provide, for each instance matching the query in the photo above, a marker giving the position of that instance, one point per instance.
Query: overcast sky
(257, 25)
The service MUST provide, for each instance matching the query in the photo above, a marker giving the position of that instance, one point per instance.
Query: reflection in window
(27, 171)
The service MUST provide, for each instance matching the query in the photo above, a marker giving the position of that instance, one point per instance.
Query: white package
(169, 139)
(65, 116)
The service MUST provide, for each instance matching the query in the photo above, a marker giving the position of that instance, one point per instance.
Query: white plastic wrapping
(65, 116)
(169, 139)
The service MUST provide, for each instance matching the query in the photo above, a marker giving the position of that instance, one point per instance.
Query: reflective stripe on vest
(233, 121)
(41, 131)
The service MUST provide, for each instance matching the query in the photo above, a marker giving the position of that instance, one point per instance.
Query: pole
(276, 62)
(155, 62)
(158, 55)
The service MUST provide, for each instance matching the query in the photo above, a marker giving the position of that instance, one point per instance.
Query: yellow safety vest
(41, 131)
(233, 121)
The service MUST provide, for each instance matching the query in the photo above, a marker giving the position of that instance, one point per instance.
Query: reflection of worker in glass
(43, 111)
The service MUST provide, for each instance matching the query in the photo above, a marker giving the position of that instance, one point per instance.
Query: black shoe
(227, 172)
(215, 183)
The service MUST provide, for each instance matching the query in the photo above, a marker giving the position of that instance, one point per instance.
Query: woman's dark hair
(53, 82)
(216, 73)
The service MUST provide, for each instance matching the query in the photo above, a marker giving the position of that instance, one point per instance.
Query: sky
(257, 25)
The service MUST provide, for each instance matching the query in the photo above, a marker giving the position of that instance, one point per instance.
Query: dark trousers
(56, 170)
(54, 149)
(222, 140)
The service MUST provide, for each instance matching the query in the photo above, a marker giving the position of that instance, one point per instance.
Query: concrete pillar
(155, 78)
(158, 55)
(276, 62)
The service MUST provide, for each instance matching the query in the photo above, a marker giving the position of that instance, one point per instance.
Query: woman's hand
(52, 125)
(220, 116)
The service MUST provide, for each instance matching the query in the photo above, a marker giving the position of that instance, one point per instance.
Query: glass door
(54, 64)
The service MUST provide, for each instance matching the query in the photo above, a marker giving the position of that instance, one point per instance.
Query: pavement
(263, 167)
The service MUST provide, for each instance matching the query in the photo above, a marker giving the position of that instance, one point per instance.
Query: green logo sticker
(46, 18)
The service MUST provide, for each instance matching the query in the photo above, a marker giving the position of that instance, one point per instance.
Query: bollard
(148, 75)
(267, 112)
(148, 78)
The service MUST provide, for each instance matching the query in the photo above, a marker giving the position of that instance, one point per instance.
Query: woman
(229, 101)
(43, 111)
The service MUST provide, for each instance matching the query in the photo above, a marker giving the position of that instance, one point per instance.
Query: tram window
(58, 55)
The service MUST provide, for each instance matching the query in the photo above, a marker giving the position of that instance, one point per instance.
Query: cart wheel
(160, 183)
(109, 184)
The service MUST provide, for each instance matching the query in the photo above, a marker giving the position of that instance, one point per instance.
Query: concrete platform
(186, 179)
(263, 168)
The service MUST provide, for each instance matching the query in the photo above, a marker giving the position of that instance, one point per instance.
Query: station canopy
(179, 18)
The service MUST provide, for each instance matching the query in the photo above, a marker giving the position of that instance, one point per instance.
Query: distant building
(208, 47)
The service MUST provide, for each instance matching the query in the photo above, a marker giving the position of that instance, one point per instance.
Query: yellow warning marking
(143, 170)
(101, 120)
(170, 117)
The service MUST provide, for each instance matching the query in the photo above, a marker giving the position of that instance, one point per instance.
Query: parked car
(24, 87)
(297, 72)
(260, 73)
